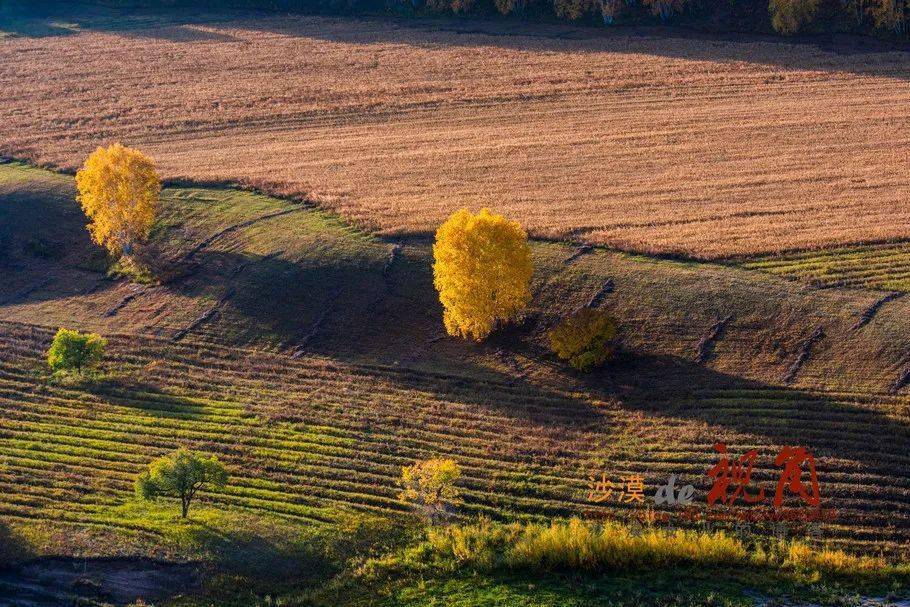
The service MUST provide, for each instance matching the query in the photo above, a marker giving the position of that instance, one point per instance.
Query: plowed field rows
(706, 147)
(309, 438)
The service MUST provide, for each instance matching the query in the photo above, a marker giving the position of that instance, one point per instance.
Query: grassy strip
(591, 550)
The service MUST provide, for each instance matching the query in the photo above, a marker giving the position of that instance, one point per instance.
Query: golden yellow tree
(789, 16)
(118, 190)
(429, 486)
(482, 271)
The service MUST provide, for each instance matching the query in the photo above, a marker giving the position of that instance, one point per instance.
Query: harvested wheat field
(637, 139)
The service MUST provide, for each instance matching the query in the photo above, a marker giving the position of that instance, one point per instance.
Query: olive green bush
(586, 339)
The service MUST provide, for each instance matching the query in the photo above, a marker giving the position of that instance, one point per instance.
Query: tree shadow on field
(826, 53)
(52, 19)
(45, 251)
(672, 387)
(254, 553)
(822, 52)
(13, 548)
(332, 305)
(266, 554)
(686, 406)
(347, 311)
(854, 441)
(133, 393)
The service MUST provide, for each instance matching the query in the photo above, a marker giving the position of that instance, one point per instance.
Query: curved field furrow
(885, 267)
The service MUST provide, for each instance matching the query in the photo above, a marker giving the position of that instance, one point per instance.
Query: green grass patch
(880, 267)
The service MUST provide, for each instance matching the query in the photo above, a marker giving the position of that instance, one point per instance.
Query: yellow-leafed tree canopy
(429, 486)
(482, 271)
(118, 190)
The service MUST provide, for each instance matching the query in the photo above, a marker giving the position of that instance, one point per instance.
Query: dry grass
(705, 147)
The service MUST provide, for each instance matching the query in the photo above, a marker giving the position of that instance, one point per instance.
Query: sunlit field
(640, 139)
(411, 311)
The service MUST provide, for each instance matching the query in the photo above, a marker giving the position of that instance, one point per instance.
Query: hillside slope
(309, 356)
(277, 275)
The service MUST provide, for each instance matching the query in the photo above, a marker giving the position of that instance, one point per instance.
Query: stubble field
(632, 138)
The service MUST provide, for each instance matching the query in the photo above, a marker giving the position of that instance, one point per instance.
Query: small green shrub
(586, 339)
(75, 351)
(133, 269)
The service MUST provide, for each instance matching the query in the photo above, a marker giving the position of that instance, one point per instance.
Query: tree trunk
(185, 506)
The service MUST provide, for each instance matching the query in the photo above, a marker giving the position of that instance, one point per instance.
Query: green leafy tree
(587, 339)
(429, 486)
(75, 351)
(180, 475)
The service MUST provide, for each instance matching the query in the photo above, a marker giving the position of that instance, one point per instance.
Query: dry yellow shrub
(118, 190)
(482, 271)
(429, 486)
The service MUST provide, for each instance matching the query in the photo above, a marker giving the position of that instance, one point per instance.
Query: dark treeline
(878, 17)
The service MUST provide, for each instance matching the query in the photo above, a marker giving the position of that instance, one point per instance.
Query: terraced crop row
(884, 267)
(307, 438)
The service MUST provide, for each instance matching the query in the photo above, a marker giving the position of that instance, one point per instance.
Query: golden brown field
(628, 137)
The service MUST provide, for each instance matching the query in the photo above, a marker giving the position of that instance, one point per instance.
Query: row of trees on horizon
(889, 17)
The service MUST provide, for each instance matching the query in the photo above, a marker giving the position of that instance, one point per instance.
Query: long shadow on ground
(838, 52)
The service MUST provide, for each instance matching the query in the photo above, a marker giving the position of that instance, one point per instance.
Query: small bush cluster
(586, 339)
